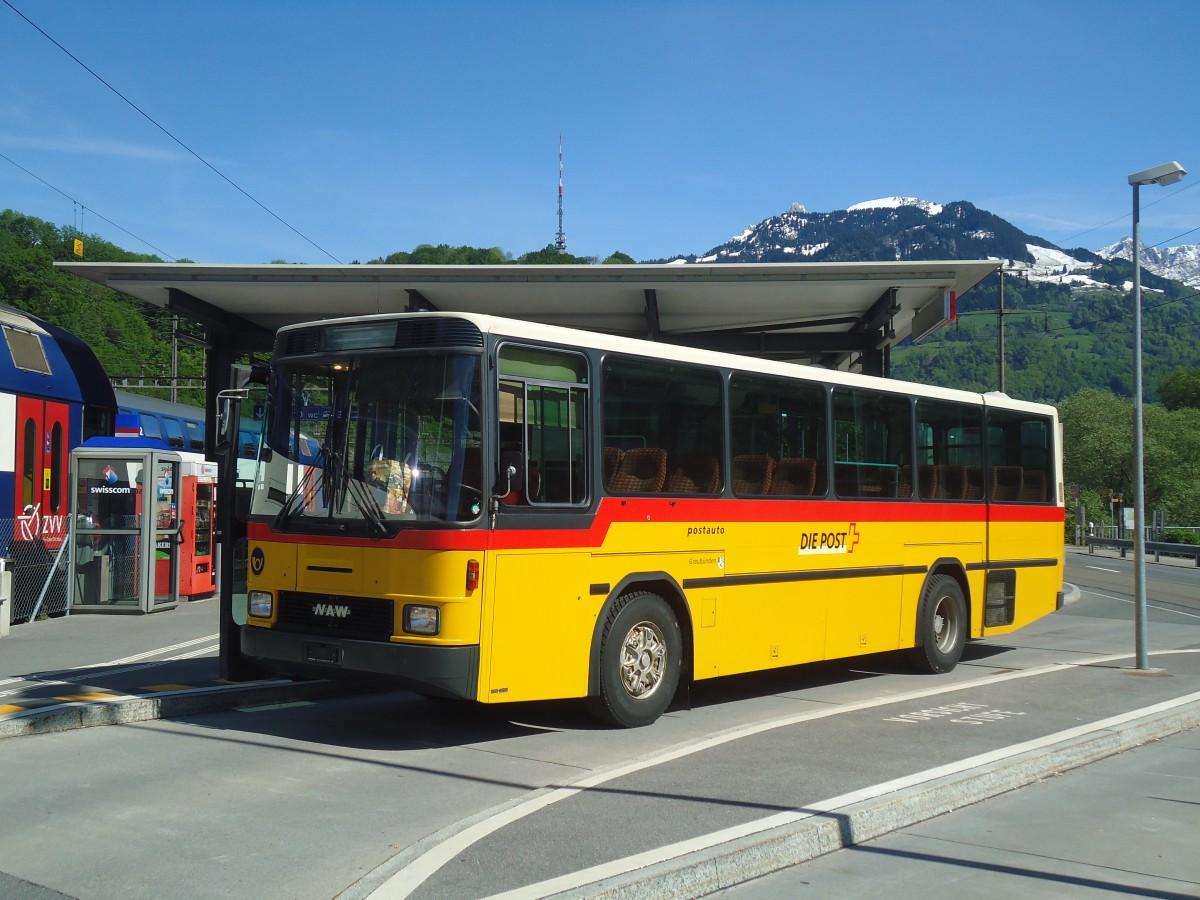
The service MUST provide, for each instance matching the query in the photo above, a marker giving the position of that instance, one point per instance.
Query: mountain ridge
(909, 228)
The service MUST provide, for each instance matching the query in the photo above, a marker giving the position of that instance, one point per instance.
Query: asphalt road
(392, 795)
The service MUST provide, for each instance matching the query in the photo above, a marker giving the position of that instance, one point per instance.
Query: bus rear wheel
(941, 626)
(641, 652)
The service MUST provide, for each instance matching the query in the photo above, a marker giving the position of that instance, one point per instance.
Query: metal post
(1139, 466)
(1001, 328)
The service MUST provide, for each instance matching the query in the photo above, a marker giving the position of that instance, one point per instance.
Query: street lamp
(1167, 173)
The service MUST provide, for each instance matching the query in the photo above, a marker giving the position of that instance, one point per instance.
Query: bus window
(542, 421)
(672, 415)
(778, 436)
(1020, 457)
(872, 444)
(949, 451)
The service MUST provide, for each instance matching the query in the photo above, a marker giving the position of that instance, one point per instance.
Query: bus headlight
(261, 604)
(422, 619)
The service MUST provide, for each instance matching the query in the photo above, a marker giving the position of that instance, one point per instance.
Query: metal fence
(39, 574)
(1153, 532)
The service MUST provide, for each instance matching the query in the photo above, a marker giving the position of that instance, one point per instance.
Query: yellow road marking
(92, 695)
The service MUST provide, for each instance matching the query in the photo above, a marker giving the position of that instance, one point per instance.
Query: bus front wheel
(941, 626)
(641, 651)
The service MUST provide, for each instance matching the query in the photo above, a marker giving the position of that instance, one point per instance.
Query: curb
(123, 710)
(703, 872)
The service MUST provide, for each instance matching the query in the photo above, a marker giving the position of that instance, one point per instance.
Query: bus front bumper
(442, 671)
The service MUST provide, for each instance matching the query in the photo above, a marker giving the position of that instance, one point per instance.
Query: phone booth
(125, 508)
(198, 493)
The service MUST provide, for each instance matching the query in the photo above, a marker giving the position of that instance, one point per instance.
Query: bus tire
(641, 652)
(941, 626)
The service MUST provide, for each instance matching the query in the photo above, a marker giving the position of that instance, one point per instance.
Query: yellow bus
(501, 511)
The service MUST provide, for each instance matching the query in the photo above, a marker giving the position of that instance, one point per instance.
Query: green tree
(1180, 389)
(129, 338)
(550, 256)
(1098, 453)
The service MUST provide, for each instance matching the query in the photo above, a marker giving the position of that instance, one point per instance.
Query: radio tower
(560, 242)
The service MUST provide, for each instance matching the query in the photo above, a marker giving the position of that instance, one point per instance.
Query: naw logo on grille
(331, 610)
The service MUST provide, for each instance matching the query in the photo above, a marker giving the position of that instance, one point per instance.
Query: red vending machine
(198, 494)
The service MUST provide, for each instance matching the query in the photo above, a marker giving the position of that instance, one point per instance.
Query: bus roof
(578, 338)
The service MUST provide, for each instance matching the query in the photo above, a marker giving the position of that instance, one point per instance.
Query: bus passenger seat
(1033, 486)
(752, 473)
(642, 470)
(951, 482)
(796, 476)
(928, 485)
(972, 483)
(1006, 482)
(694, 473)
(612, 462)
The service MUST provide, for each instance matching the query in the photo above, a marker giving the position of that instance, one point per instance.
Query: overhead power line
(161, 128)
(84, 206)
(1122, 218)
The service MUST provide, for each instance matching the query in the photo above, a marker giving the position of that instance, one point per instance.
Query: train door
(41, 471)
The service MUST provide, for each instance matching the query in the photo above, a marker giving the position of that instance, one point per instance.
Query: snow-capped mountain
(907, 228)
(890, 228)
(1177, 263)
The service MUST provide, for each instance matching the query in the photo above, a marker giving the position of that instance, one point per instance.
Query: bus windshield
(372, 443)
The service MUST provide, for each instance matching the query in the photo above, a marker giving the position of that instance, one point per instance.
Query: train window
(28, 463)
(195, 433)
(56, 467)
(27, 351)
(174, 432)
(149, 425)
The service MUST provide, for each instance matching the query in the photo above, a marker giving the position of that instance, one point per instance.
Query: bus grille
(1001, 606)
(437, 332)
(360, 618)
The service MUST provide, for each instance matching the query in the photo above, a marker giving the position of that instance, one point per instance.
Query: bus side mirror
(228, 402)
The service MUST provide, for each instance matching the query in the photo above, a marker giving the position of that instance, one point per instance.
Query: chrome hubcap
(643, 660)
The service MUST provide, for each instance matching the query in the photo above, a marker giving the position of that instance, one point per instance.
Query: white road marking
(83, 671)
(1102, 569)
(408, 879)
(1148, 605)
(716, 838)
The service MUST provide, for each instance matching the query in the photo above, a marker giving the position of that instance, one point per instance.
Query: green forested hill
(130, 338)
(1059, 341)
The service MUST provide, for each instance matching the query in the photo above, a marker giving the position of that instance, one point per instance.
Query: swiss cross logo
(854, 537)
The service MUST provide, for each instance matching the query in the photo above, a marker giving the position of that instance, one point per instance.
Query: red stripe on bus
(708, 511)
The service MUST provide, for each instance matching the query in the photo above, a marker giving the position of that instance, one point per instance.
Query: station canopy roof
(839, 314)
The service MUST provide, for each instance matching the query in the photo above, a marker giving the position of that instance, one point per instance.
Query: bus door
(1024, 575)
(41, 470)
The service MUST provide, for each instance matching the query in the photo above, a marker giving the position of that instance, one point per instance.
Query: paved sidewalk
(1126, 825)
(84, 670)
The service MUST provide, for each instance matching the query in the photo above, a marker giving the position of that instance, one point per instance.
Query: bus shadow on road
(398, 720)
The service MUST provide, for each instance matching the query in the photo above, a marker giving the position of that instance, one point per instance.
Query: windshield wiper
(367, 505)
(340, 484)
(306, 481)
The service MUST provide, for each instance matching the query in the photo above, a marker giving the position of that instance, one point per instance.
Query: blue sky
(370, 127)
